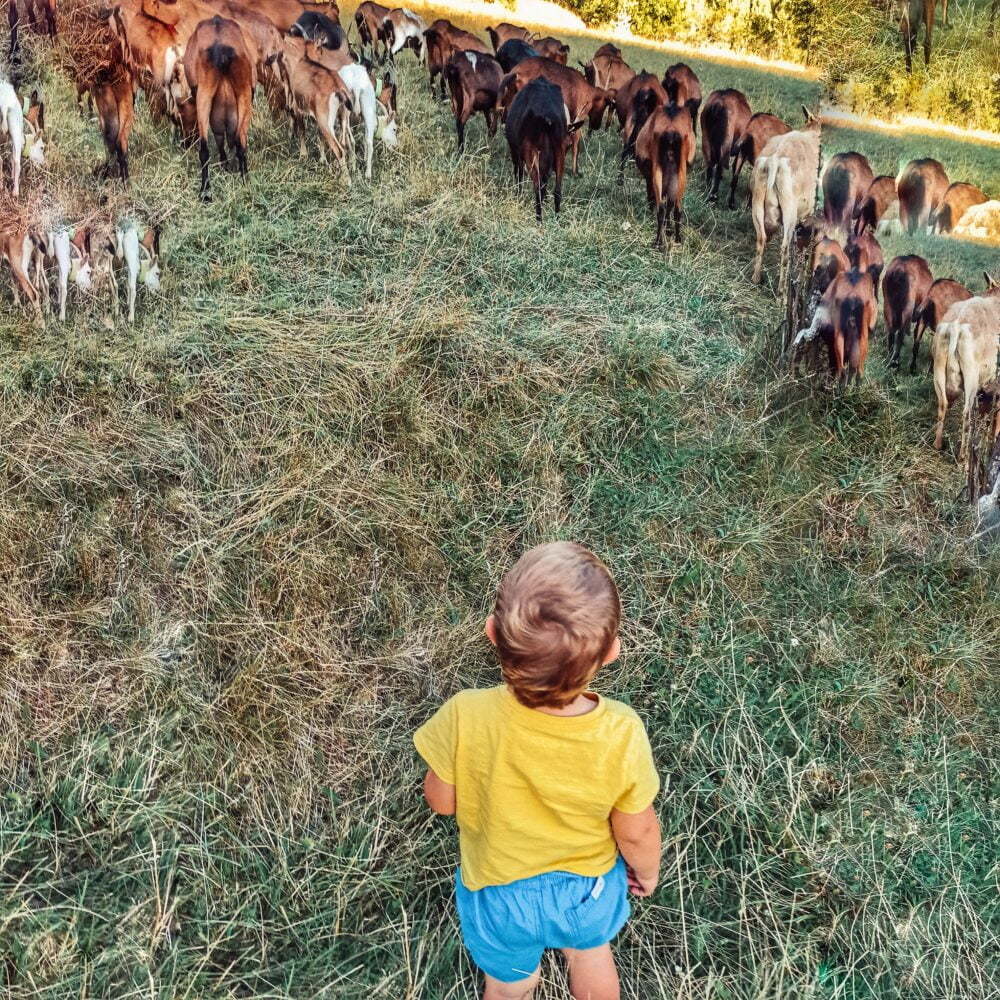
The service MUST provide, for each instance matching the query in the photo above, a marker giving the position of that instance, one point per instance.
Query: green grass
(248, 546)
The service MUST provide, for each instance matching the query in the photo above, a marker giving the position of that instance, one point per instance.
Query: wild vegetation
(863, 60)
(249, 544)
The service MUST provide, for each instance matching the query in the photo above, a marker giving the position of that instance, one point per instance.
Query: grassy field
(249, 545)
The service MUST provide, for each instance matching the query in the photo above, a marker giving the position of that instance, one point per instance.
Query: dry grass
(249, 544)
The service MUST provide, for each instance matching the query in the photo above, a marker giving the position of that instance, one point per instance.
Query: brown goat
(829, 260)
(663, 150)
(505, 32)
(747, 146)
(958, 199)
(845, 183)
(723, 119)
(865, 254)
(551, 48)
(221, 73)
(942, 294)
(443, 40)
(920, 186)
(852, 314)
(906, 282)
(369, 17)
(113, 94)
(635, 104)
(683, 89)
(474, 81)
(881, 194)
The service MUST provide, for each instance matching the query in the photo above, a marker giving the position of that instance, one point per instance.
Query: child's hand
(637, 886)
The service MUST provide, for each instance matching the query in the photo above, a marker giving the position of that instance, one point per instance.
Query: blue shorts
(507, 927)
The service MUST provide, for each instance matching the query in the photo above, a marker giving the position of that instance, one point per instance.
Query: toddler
(551, 784)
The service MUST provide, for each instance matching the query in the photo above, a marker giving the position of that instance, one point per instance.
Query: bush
(655, 19)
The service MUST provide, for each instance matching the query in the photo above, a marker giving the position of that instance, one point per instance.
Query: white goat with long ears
(70, 248)
(17, 120)
(141, 258)
(377, 120)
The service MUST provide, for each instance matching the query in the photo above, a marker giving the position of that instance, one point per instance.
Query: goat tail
(670, 148)
(896, 293)
(953, 330)
(221, 56)
(454, 80)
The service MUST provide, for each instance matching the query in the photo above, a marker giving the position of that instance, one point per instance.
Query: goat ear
(156, 240)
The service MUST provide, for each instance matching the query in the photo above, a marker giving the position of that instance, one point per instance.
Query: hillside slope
(249, 545)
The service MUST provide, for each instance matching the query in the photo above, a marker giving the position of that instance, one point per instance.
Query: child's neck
(580, 705)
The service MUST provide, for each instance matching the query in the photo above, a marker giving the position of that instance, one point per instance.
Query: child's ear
(491, 629)
(614, 652)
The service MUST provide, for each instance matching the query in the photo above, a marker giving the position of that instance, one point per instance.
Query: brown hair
(556, 616)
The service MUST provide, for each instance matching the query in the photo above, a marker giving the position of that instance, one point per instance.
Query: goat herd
(200, 61)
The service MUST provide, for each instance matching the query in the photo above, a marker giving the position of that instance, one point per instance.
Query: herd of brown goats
(200, 62)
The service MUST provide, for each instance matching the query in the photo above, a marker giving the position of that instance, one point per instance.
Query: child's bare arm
(439, 794)
(638, 839)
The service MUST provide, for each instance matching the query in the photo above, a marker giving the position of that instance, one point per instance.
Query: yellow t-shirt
(534, 792)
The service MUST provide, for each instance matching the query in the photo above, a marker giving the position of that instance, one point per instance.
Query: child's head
(555, 623)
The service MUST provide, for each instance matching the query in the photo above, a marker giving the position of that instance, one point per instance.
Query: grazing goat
(663, 151)
(747, 146)
(957, 200)
(723, 118)
(71, 251)
(683, 89)
(783, 189)
(474, 81)
(18, 246)
(920, 186)
(880, 196)
(113, 94)
(965, 357)
(551, 48)
(940, 297)
(865, 254)
(442, 40)
(585, 103)
(844, 319)
(506, 32)
(318, 90)
(25, 131)
(845, 182)
(402, 29)
(829, 260)
(221, 75)
(537, 129)
(140, 257)
(635, 104)
(514, 51)
(907, 280)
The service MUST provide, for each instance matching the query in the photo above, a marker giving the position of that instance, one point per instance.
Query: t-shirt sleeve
(437, 739)
(641, 781)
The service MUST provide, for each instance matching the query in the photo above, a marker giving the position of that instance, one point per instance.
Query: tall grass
(248, 545)
(862, 52)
